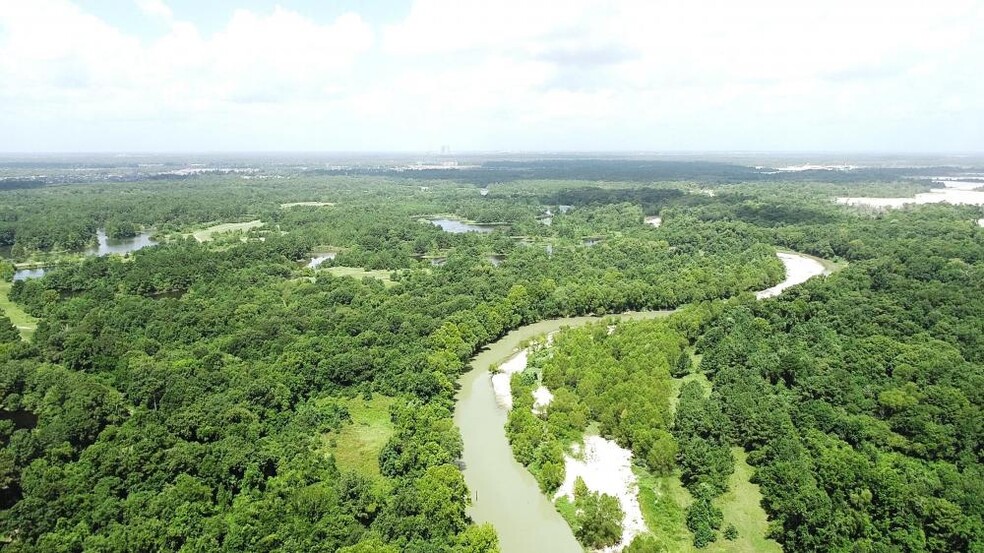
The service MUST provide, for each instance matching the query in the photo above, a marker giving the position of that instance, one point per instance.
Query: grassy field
(207, 234)
(25, 323)
(357, 445)
(306, 204)
(678, 383)
(742, 506)
(664, 501)
(359, 272)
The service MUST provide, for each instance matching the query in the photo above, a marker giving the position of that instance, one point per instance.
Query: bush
(703, 518)
(731, 533)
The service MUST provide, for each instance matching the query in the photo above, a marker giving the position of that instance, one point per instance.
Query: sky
(508, 75)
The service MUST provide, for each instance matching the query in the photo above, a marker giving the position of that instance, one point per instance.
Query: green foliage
(703, 520)
(598, 519)
(644, 543)
(730, 532)
(859, 395)
(683, 365)
(477, 539)
(174, 399)
(8, 332)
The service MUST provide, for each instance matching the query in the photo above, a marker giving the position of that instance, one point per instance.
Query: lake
(119, 246)
(20, 418)
(457, 227)
(953, 192)
(24, 274)
(105, 246)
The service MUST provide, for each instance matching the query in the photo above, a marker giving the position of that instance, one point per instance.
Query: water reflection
(110, 246)
(106, 246)
(458, 227)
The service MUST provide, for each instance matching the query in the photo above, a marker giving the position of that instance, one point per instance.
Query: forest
(202, 394)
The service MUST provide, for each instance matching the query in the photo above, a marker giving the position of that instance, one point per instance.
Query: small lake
(119, 246)
(655, 220)
(105, 246)
(458, 227)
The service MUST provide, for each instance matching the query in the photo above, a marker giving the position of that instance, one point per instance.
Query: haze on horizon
(303, 75)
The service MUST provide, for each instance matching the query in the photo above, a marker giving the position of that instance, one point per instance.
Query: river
(503, 492)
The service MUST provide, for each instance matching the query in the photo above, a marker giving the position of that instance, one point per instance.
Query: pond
(119, 246)
(105, 246)
(654, 220)
(457, 227)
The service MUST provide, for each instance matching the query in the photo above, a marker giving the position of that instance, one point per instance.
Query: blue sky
(515, 75)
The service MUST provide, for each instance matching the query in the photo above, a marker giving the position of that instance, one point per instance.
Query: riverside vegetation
(193, 396)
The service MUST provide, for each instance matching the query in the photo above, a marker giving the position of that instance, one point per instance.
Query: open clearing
(25, 323)
(742, 506)
(678, 383)
(357, 445)
(209, 233)
(664, 501)
(359, 272)
(306, 204)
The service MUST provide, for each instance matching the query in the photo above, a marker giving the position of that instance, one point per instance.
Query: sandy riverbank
(607, 468)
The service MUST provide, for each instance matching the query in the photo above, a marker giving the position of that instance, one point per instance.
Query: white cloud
(155, 8)
(63, 61)
(591, 74)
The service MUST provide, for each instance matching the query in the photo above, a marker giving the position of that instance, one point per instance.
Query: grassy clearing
(567, 510)
(306, 204)
(359, 272)
(25, 323)
(357, 445)
(742, 506)
(678, 383)
(664, 501)
(209, 233)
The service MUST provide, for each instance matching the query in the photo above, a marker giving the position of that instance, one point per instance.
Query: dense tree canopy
(176, 398)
